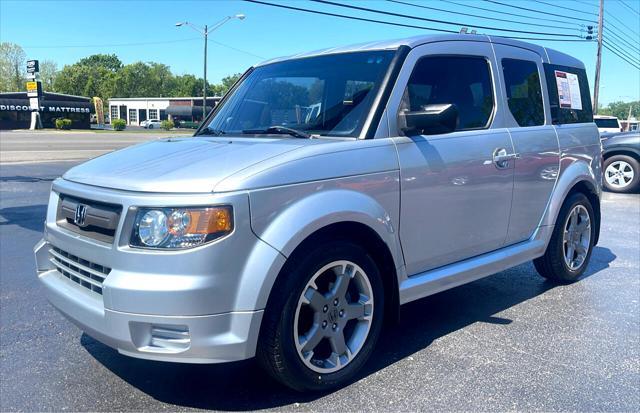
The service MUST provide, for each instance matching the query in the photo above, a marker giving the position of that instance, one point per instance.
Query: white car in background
(150, 124)
(607, 124)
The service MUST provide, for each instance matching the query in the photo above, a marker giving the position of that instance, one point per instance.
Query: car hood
(178, 165)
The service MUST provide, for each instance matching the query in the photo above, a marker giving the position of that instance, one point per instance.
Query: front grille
(78, 270)
(99, 220)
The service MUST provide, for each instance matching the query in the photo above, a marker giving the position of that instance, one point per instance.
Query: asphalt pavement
(511, 341)
(47, 146)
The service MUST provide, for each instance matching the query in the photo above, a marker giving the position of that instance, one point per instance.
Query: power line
(566, 8)
(282, 6)
(629, 7)
(342, 16)
(609, 32)
(585, 2)
(236, 49)
(621, 49)
(70, 46)
(506, 13)
(537, 11)
(620, 56)
(422, 6)
(621, 22)
(406, 16)
(113, 44)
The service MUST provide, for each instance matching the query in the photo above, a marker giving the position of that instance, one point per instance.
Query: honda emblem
(81, 214)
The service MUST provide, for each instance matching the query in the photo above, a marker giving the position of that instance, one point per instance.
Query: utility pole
(205, 32)
(596, 86)
(204, 90)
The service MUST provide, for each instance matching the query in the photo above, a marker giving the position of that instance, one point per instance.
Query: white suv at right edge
(607, 124)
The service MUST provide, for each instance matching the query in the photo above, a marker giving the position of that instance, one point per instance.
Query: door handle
(501, 158)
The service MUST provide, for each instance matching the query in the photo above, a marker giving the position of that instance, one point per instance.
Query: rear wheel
(571, 243)
(324, 319)
(621, 173)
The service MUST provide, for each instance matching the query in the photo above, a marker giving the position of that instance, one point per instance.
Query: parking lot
(511, 341)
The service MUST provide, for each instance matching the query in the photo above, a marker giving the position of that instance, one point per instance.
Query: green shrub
(64, 124)
(118, 124)
(167, 124)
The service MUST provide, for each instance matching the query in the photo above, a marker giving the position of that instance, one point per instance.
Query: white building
(181, 109)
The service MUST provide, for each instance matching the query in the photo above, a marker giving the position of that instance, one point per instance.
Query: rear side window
(569, 96)
(464, 81)
(524, 93)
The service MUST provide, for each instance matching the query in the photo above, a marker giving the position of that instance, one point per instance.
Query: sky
(66, 31)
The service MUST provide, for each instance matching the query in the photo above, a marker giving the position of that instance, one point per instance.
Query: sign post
(34, 92)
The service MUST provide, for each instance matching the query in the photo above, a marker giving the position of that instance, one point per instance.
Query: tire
(554, 264)
(289, 318)
(150, 127)
(621, 173)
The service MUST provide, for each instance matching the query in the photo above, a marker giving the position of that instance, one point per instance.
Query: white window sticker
(568, 90)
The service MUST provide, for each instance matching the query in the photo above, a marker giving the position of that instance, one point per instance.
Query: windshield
(607, 123)
(323, 95)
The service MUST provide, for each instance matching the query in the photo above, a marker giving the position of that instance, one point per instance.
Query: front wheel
(571, 243)
(324, 318)
(621, 173)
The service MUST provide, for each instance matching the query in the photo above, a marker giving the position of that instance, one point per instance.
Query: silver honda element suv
(324, 191)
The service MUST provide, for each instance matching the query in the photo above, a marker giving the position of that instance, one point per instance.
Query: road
(41, 146)
(511, 341)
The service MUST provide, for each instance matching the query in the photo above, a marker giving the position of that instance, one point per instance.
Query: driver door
(455, 192)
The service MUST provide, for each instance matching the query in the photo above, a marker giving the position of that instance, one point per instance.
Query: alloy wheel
(333, 316)
(577, 237)
(619, 174)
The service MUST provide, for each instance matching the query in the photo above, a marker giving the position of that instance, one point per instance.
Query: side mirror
(431, 120)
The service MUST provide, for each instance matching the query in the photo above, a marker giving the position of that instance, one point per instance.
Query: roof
(168, 98)
(23, 95)
(547, 55)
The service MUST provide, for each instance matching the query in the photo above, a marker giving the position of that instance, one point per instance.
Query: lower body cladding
(191, 339)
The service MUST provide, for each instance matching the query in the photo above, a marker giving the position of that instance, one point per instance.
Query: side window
(524, 92)
(464, 81)
(569, 95)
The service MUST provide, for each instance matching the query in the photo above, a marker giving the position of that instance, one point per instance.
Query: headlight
(175, 228)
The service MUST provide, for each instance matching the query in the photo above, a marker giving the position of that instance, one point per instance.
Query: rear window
(607, 123)
(569, 96)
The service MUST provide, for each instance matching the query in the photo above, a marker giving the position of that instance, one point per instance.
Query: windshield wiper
(280, 130)
(214, 132)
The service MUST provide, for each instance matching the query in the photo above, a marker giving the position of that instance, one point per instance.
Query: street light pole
(204, 89)
(205, 32)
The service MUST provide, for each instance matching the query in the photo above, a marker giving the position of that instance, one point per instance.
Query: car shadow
(244, 386)
(30, 217)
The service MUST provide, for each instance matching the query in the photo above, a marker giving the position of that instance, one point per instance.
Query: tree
(111, 62)
(12, 67)
(162, 78)
(92, 76)
(226, 84)
(620, 109)
(48, 73)
(186, 85)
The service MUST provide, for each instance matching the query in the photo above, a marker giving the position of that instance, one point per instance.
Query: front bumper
(190, 339)
(198, 305)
